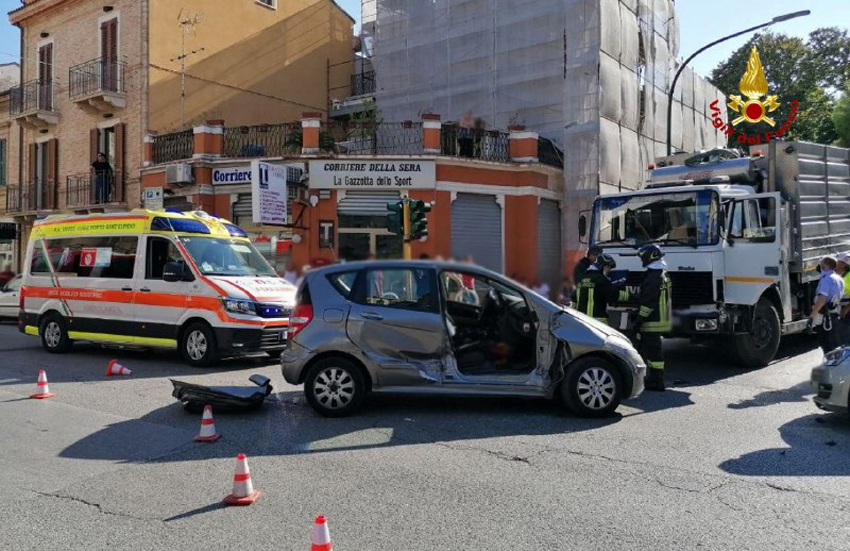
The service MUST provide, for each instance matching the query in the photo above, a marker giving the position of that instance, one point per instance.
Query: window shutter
(94, 144)
(52, 173)
(118, 169)
(32, 165)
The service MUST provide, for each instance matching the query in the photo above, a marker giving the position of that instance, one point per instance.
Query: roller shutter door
(549, 256)
(477, 230)
(359, 202)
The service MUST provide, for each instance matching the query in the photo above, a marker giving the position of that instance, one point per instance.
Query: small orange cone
(207, 433)
(243, 489)
(321, 535)
(116, 368)
(42, 390)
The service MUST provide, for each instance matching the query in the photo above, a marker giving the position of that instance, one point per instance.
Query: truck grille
(271, 338)
(689, 288)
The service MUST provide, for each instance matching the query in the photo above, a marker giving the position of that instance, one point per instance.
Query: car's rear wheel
(335, 387)
(198, 345)
(54, 334)
(592, 387)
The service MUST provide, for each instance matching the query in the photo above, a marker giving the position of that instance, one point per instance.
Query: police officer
(655, 314)
(827, 303)
(596, 291)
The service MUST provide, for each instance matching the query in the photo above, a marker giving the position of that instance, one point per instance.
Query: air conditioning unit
(180, 173)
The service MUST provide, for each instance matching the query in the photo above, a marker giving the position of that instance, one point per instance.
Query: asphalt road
(727, 458)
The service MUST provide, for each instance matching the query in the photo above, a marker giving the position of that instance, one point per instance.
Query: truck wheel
(54, 334)
(591, 387)
(759, 347)
(198, 346)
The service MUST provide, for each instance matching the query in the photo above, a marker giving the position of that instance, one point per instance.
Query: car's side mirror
(177, 271)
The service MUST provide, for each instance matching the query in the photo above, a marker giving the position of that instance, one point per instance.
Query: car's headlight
(836, 356)
(237, 306)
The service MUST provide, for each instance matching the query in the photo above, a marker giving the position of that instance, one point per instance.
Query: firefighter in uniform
(654, 316)
(596, 290)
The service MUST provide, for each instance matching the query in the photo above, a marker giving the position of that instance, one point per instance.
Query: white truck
(742, 235)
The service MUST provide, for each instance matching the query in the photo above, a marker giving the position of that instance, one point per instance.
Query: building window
(268, 3)
(3, 163)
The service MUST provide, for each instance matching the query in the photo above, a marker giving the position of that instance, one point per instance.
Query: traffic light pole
(408, 252)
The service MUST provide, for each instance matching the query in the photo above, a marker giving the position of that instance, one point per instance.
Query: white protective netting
(591, 74)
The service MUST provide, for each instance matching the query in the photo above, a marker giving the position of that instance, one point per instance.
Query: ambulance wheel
(54, 334)
(198, 346)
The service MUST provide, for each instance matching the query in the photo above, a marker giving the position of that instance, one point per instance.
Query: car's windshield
(227, 257)
(684, 218)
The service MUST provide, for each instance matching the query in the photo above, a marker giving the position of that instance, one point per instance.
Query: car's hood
(261, 289)
(597, 326)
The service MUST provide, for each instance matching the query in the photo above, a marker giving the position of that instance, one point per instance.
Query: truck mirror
(582, 225)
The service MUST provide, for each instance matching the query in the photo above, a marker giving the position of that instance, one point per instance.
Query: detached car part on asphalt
(443, 328)
(831, 381)
(223, 398)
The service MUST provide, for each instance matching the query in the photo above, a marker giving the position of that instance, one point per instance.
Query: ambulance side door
(160, 304)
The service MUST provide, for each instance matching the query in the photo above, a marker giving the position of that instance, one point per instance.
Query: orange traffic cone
(321, 535)
(243, 489)
(42, 390)
(116, 368)
(207, 433)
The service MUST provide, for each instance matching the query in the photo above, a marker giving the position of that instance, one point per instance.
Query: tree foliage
(808, 71)
(841, 118)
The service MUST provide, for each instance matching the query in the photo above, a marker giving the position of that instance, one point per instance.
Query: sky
(700, 21)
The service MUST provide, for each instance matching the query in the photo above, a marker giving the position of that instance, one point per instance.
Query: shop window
(108, 257)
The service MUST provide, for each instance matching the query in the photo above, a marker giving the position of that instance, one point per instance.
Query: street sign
(373, 174)
(153, 198)
(268, 193)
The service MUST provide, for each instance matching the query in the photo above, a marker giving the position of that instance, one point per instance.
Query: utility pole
(187, 25)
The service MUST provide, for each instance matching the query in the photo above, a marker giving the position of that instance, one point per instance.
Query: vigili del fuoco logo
(753, 109)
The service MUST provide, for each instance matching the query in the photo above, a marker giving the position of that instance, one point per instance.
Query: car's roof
(388, 264)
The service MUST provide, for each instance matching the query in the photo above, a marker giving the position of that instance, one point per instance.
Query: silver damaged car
(447, 328)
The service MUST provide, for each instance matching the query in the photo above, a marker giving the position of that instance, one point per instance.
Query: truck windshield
(685, 218)
(227, 257)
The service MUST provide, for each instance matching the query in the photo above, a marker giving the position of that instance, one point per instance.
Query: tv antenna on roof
(188, 25)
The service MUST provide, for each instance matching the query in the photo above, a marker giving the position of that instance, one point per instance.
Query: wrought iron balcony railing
(98, 76)
(173, 147)
(29, 197)
(475, 143)
(96, 187)
(31, 97)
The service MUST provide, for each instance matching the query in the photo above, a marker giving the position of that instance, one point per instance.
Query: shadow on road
(797, 393)
(818, 445)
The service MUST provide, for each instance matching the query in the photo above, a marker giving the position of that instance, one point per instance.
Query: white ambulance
(187, 281)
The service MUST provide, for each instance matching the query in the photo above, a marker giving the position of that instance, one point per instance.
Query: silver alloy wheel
(596, 388)
(52, 334)
(196, 345)
(333, 388)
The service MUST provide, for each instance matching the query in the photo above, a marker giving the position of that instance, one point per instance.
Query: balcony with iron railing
(33, 104)
(29, 197)
(549, 154)
(369, 137)
(475, 143)
(98, 83)
(363, 83)
(93, 188)
(175, 146)
(264, 140)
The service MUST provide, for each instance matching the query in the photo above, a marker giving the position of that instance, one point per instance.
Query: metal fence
(28, 197)
(475, 143)
(97, 75)
(363, 83)
(96, 187)
(266, 140)
(372, 137)
(174, 146)
(31, 96)
(549, 154)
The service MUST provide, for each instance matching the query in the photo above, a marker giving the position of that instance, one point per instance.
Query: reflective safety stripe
(645, 311)
(656, 365)
(590, 294)
(656, 327)
(30, 330)
(126, 339)
(624, 295)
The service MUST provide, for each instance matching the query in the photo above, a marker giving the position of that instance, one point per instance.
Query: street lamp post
(777, 19)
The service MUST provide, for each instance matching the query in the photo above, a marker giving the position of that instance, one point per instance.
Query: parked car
(445, 328)
(9, 301)
(831, 381)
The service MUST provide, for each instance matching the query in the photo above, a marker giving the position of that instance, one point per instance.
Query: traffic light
(395, 219)
(418, 222)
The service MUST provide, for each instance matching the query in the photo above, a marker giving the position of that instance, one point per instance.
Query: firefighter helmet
(649, 253)
(605, 260)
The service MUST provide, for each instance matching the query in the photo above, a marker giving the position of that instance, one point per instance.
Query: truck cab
(742, 238)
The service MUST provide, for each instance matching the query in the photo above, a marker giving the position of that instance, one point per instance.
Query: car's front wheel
(198, 345)
(592, 387)
(335, 387)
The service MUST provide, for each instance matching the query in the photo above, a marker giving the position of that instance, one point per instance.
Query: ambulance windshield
(227, 257)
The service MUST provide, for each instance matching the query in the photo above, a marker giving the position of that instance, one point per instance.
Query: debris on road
(224, 398)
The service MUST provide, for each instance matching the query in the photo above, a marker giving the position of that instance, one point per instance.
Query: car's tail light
(301, 316)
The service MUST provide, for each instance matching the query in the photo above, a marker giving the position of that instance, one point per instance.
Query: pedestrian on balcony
(102, 172)
(466, 134)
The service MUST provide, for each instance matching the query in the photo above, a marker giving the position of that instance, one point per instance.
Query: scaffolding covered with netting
(592, 75)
